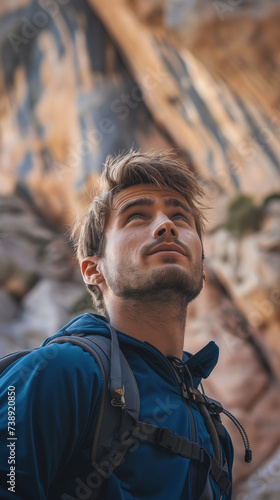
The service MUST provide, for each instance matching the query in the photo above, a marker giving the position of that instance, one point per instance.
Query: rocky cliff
(82, 79)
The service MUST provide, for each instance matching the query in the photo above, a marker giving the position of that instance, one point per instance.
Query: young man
(141, 257)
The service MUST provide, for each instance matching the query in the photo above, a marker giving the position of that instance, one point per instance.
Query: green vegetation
(244, 216)
(271, 197)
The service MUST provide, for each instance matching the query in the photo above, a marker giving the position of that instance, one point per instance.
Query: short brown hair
(162, 169)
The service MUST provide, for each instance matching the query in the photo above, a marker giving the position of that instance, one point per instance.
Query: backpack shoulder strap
(114, 422)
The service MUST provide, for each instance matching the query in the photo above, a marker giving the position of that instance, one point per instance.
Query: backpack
(118, 426)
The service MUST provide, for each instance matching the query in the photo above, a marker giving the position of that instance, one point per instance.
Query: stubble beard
(164, 285)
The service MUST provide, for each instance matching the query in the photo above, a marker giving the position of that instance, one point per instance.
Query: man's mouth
(167, 248)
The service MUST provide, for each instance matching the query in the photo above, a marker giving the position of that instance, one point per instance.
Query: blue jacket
(57, 395)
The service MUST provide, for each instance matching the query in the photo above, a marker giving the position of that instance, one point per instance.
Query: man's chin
(165, 283)
(174, 280)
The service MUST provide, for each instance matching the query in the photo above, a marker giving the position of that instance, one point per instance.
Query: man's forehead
(145, 190)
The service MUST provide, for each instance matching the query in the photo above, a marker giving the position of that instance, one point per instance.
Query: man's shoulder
(64, 357)
(56, 362)
(65, 352)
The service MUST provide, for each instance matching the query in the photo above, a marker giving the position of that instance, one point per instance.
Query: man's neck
(162, 325)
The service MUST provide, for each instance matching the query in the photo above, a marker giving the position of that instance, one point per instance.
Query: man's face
(152, 249)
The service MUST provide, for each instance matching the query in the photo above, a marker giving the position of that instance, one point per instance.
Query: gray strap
(116, 385)
(182, 446)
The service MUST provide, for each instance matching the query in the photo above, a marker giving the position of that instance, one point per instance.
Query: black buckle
(164, 438)
(184, 391)
(213, 405)
(202, 456)
(168, 440)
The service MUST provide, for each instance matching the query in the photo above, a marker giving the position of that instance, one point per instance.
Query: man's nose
(166, 228)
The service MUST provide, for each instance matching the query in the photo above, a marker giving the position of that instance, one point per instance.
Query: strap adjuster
(213, 405)
(166, 439)
(119, 399)
(202, 456)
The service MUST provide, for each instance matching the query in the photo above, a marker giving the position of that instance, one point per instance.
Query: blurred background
(82, 79)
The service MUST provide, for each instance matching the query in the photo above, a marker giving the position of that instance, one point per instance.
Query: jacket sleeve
(57, 393)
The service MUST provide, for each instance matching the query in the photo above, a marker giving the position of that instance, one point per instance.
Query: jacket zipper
(184, 392)
(194, 465)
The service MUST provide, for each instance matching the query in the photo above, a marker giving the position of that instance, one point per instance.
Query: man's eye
(135, 217)
(183, 217)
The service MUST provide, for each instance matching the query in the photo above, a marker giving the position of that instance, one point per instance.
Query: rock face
(243, 380)
(41, 287)
(80, 80)
(249, 268)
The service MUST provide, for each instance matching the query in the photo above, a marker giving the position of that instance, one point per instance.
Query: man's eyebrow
(173, 202)
(139, 202)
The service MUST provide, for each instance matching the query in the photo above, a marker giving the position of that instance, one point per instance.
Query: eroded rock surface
(98, 77)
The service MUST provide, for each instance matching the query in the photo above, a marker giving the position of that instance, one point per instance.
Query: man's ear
(90, 268)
